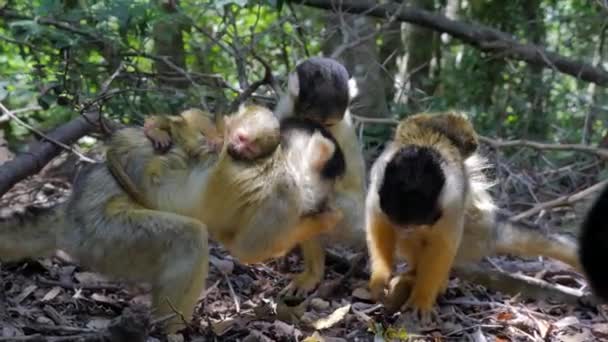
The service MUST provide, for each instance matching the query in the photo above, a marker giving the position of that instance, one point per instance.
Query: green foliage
(60, 55)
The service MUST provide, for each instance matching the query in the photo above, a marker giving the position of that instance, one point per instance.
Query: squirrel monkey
(429, 203)
(251, 210)
(256, 208)
(319, 89)
(593, 241)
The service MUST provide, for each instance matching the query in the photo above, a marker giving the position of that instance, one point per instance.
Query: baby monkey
(197, 140)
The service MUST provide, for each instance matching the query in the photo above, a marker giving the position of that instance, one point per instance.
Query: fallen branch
(563, 200)
(600, 152)
(41, 135)
(43, 151)
(528, 287)
(482, 37)
(132, 325)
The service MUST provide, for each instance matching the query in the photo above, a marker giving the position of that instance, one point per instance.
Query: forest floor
(54, 299)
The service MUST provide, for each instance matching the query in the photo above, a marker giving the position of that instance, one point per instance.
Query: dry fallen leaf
(286, 330)
(223, 326)
(319, 304)
(102, 299)
(583, 336)
(504, 316)
(315, 337)
(175, 338)
(332, 319)
(90, 278)
(223, 265)
(98, 323)
(51, 294)
(26, 292)
(566, 322)
(362, 293)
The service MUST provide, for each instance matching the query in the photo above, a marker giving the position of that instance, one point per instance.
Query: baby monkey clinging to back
(429, 203)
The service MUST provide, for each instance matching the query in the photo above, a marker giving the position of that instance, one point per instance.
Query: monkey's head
(412, 183)
(252, 133)
(319, 88)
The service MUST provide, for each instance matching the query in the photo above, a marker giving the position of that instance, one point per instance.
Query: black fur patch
(323, 89)
(413, 180)
(336, 166)
(593, 246)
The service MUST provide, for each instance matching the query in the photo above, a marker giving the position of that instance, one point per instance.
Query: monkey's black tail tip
(593, 246)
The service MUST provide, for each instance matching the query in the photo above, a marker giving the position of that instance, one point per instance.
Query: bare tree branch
(600, 152)
(482, 37)
(41, 152)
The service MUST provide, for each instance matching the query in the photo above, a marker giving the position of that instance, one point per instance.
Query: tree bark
(169, 42)
(535, 118)
(355, 46)
(419, 47)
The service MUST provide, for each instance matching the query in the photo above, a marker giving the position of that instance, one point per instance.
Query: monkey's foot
(302, 284)
(422, 307)
(422, 319)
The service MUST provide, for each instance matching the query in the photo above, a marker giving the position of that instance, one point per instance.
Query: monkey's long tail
(528, 241)
(31, 234)
(593, 246)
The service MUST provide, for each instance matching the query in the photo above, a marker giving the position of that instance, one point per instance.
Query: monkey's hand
(215, 144)
(161, 140)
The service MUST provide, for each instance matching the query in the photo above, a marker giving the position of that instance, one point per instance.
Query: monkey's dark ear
(456, 127)
(293, 84)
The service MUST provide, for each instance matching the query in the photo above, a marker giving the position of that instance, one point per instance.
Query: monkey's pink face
(242, 146)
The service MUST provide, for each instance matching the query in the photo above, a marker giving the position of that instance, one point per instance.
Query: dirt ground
(54, 299)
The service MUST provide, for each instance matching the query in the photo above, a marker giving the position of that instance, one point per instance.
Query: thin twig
(600, 152)
(563, 200)
(41, 135)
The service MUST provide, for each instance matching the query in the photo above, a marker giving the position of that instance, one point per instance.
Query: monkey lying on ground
(429, 202)
(257, 209)
(593, 246)
(319, 89)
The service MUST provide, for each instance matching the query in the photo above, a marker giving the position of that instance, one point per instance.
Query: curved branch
(39, 153)
(482, 37)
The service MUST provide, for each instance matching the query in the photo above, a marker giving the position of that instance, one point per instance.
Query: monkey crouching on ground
(429, 203)
(319, 89)
(260, 204)
(593, 246)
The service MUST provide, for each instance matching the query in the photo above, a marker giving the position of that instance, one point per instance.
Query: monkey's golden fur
(253, 208)
(467, 230)
(198, 139)
(192, 130)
